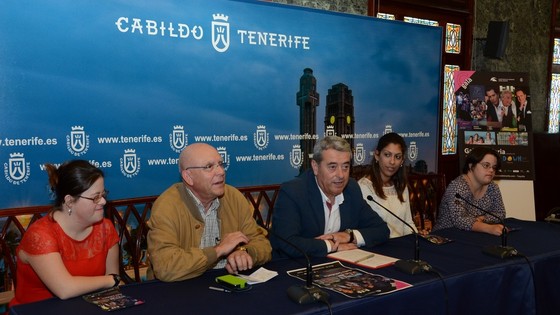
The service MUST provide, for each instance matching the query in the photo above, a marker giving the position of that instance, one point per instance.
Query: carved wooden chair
(426, 191)
(14, 222)
(129, 217)
(262, 198)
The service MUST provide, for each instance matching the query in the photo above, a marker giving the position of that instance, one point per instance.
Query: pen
(364, 258)
(219, 289)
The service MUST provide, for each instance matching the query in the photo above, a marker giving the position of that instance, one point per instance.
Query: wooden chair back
(130, 217)
(262, 198)
(426, 191)
(14, 222)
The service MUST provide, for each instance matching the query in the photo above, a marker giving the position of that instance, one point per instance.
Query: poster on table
(494, 109)
(127, 85)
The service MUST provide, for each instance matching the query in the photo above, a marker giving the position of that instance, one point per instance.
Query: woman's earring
(69, 211)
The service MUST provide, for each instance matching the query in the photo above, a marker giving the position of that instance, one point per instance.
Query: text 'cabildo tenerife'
(220, 31)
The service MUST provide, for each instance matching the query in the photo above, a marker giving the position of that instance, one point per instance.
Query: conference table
(465, 281)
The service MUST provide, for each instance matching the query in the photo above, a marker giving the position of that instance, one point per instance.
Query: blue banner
(128, 84)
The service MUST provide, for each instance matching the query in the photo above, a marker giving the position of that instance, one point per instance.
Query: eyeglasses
(487, 165)
(97, 198)
(209, 167)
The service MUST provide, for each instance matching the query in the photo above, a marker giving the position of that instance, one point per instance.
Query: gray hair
(504, 92)
(330, 142)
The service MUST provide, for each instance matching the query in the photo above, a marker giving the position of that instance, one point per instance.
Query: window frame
(457, 12)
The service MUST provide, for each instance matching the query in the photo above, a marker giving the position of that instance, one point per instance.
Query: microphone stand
(301, 294)
(502, 251)
(410, 266)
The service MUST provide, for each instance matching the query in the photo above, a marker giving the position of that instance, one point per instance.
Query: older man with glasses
(202, 223)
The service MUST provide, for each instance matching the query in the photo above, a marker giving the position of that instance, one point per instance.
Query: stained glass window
(554, 103)
(554, 113)
(449, 130)
(452, 46)
(420, 21)
(386, 16)
(453, 38)
(556, 53)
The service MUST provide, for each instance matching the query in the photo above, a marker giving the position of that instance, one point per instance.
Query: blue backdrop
(127, 84)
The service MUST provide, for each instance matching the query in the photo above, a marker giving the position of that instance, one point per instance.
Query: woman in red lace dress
(73, 250)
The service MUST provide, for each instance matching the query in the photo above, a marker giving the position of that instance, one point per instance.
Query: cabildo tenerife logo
(359, 154)
(130, 163)
(412, 151)
(220, 31)
(17, 170)
(296, 156)
(225, 156)
(260, 137)
(178, 139)
(77, 142)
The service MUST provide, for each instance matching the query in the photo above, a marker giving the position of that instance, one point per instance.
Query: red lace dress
(81, 258)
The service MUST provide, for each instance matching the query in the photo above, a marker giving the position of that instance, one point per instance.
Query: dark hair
(399, 178)
(522, 89)
(493, 88)
(477, 154)
(71, 178)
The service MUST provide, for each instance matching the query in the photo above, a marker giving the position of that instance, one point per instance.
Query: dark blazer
(525, 117)
(491, 114)
(510, 120)
(299, 217)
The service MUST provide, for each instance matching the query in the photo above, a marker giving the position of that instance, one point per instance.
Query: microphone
(410, 266)
(301, 294)
(502, 251)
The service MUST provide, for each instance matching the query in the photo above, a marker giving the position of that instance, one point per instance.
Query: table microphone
(301, 294)
(502, 251)
(410, 266)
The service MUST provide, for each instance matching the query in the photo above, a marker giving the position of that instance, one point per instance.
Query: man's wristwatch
(351, 233)
(116, 278)
(241, 248)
